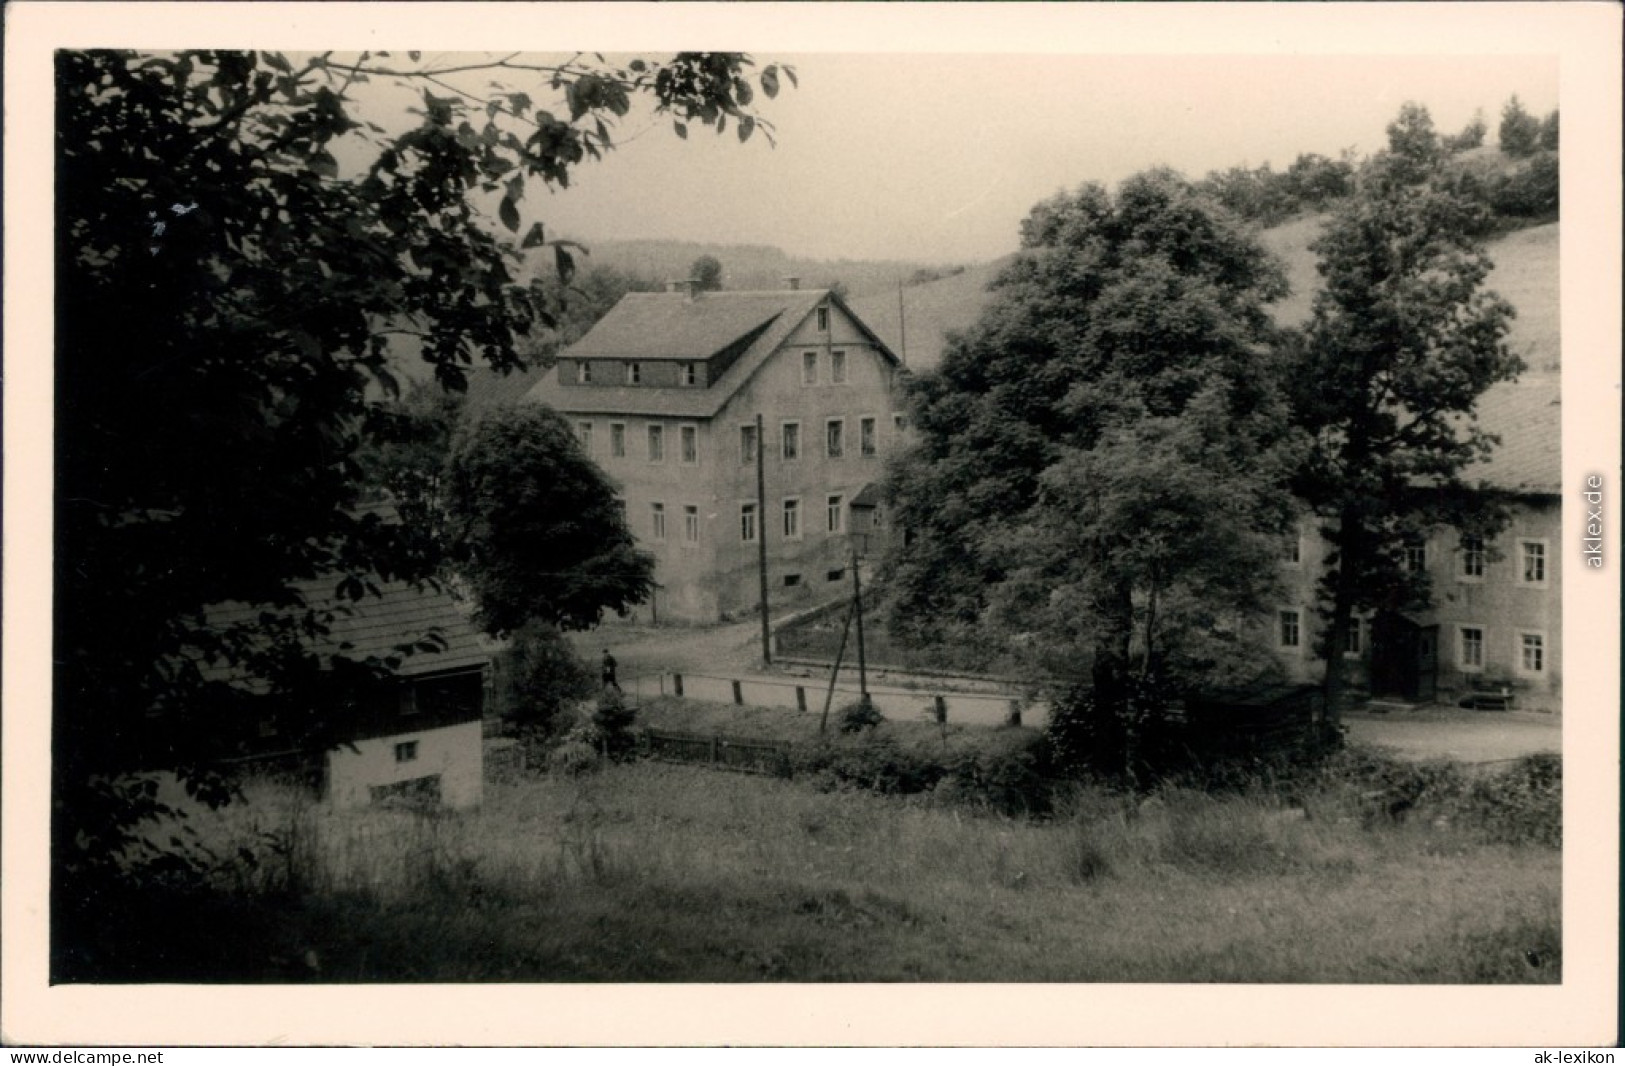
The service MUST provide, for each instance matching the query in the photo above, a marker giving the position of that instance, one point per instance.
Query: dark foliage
(535, 527)
(540, 679)
(226, 296)
(1520, 132)
(613, 718)
(1403, 341)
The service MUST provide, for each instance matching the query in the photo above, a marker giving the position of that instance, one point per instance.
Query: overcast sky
(938, 157)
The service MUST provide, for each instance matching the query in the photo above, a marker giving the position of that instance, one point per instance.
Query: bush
(539, 679)
(872, 761)
(1520, 805)
(1471, 135)
(577, 753)
(1129, 738)
(1531, 192)
(613, 721)
(1004, 781)
(858, 716)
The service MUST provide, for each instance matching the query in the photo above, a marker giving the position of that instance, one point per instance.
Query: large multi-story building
(665, 393)
(1495, 622)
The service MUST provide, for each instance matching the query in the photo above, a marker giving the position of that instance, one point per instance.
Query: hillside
(747, 266)
(1526, 274)
(918, 331)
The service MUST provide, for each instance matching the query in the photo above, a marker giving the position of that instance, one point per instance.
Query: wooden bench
(1490, 696)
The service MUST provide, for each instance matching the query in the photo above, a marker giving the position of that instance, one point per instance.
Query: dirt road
(734, 650)
(1454, 733)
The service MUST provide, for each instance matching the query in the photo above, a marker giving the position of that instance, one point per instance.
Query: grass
(652, 872)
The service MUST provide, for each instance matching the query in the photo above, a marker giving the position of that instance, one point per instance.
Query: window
(747, 522)
(1416, 555)
(1534, 561)
(1472, 557)
(691, 524)
(688, 444)
(1470, 648)
(866, 436)
(791, 440)
(792, 580)
(834, 514)
(617, 440)
(1531, 653)
(809, 368)
(834, 575)
(584, 373)
(792, 519)
(834, 437)
(1290, 632)
(899, 422)
(584, 433)
(837, 368)
(634, 373)
(690, 375)
(657, 520)
(406, 751)
(1351, 640)
(747, 445)
(657, 443)
(823, 319)
(1294, 552)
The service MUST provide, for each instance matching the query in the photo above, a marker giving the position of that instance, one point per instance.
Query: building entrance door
(1404, 658)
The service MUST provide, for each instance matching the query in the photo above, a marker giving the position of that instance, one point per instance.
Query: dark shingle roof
(376, 627)
(1528, 418)
(660, 325)
(658, 312)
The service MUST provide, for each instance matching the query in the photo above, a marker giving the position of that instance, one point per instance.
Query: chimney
(792, 282)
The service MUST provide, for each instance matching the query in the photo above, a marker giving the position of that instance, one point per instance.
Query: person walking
(609, 672)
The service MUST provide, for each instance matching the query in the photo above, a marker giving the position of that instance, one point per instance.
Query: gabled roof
(375, 627)
(664, 325)
(664, 316)
(1528, 417)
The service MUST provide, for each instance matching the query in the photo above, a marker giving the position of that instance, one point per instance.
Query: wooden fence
(717, 750)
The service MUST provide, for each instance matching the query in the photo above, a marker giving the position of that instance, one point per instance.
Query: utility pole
(761, 538)
(857, 609)
(902, 326)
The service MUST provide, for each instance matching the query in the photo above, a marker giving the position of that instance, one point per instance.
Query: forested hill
(748, 266)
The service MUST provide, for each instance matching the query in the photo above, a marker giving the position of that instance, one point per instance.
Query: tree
(227, 292)
(706, 274)
(535, 527)
(582, 301)
(1402, 342)
(1520, 131)
(1097, 473)
(1471, 135)
(1548, 132)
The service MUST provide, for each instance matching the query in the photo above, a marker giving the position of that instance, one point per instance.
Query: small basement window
(835, 575)
(792, 580)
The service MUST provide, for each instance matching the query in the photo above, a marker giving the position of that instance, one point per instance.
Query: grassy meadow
(648, 871)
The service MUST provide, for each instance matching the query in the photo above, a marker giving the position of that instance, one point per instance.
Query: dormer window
(634, 373)
(690, 375)
(584, 373)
